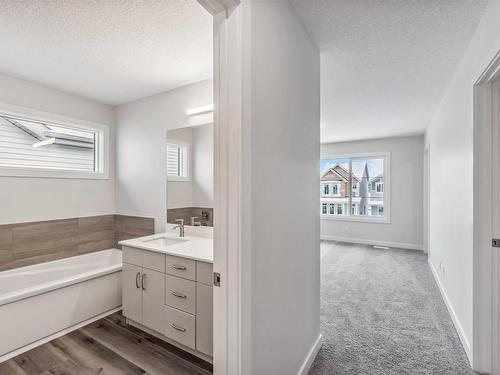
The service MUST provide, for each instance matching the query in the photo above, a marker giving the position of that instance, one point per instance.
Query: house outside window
(339, 209)
(359, 182)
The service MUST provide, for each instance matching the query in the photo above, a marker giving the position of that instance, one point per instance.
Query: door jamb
(484, 180)
(228, 128)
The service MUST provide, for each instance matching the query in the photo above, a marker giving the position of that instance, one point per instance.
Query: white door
(132, 292)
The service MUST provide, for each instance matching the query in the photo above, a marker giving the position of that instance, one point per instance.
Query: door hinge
(216, 278)
(495, 242)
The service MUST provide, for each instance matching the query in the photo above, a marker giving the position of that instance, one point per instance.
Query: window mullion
(350, 188)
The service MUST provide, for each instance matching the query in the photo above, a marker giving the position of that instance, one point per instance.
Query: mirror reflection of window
(189, 153)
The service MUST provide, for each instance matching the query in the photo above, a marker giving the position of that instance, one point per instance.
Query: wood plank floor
(106, 347)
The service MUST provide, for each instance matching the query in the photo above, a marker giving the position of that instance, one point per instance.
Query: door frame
(228, 355)
(427, 200)
(486, 190)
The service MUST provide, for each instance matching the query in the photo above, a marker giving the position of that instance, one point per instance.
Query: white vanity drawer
(181, 267)
(144, 258)
(204, 273)
(180, 293)
(180, 327)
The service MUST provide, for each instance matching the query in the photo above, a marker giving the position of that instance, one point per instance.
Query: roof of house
(339, 171)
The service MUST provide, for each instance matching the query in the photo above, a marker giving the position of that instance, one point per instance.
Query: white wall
(203, 166)
(33, 199)
(180, 193)
(450, 140)
(140, 154)
(406, 194)
(281, 148)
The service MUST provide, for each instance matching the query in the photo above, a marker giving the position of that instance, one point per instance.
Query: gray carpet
(382, 313)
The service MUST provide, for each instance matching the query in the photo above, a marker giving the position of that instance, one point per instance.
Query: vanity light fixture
(200, 110)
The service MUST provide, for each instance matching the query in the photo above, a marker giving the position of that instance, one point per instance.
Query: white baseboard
(456, 322)
(399, 245)
(54, 336)
(304, 369)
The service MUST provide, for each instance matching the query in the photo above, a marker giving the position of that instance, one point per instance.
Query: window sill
(371, 219)
(178, 179)
(51, 173)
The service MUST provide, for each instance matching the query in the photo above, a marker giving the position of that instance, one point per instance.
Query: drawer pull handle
(137, 280)
(180, 295)
(182, 268)
(178, 328)
(143, 283)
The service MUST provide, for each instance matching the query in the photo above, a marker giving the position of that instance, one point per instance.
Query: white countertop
(191, 246)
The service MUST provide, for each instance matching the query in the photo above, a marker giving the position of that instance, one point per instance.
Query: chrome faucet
(180, 226)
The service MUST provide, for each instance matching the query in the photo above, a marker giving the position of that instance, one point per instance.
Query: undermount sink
(164, 241)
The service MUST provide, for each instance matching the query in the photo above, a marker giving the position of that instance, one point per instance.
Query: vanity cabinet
(171, 295)
(132, 292)
(142, 295)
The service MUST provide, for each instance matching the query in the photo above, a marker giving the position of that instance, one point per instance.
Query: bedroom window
(366, 181)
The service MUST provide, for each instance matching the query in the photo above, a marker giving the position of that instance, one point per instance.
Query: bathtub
(41, 302)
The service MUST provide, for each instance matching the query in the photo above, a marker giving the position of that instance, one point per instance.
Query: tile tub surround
(186, 213)
(132, 226)
(24, 244)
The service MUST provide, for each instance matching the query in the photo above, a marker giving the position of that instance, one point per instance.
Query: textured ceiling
(113, 51)
(385, 64)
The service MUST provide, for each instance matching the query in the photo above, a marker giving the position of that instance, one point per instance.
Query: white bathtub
(44, 301)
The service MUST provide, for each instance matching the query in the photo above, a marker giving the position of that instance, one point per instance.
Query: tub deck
(107, 346)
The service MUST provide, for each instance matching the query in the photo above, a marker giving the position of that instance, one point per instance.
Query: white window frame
(102, 146)
(386, 219)
(186, 161)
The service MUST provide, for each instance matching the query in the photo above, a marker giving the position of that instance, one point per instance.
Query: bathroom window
(35, 146)
(365, 187)
(177, 161)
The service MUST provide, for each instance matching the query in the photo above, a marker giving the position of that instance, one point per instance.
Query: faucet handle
(193, 220)
(180, 221)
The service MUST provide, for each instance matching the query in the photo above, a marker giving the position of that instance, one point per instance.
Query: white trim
(397, 245)
(358, 218)
(215, 7)
(231, 334)
(31, 114)
(485, 268)
(311, 355)
(454, 318)
(57, 335)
